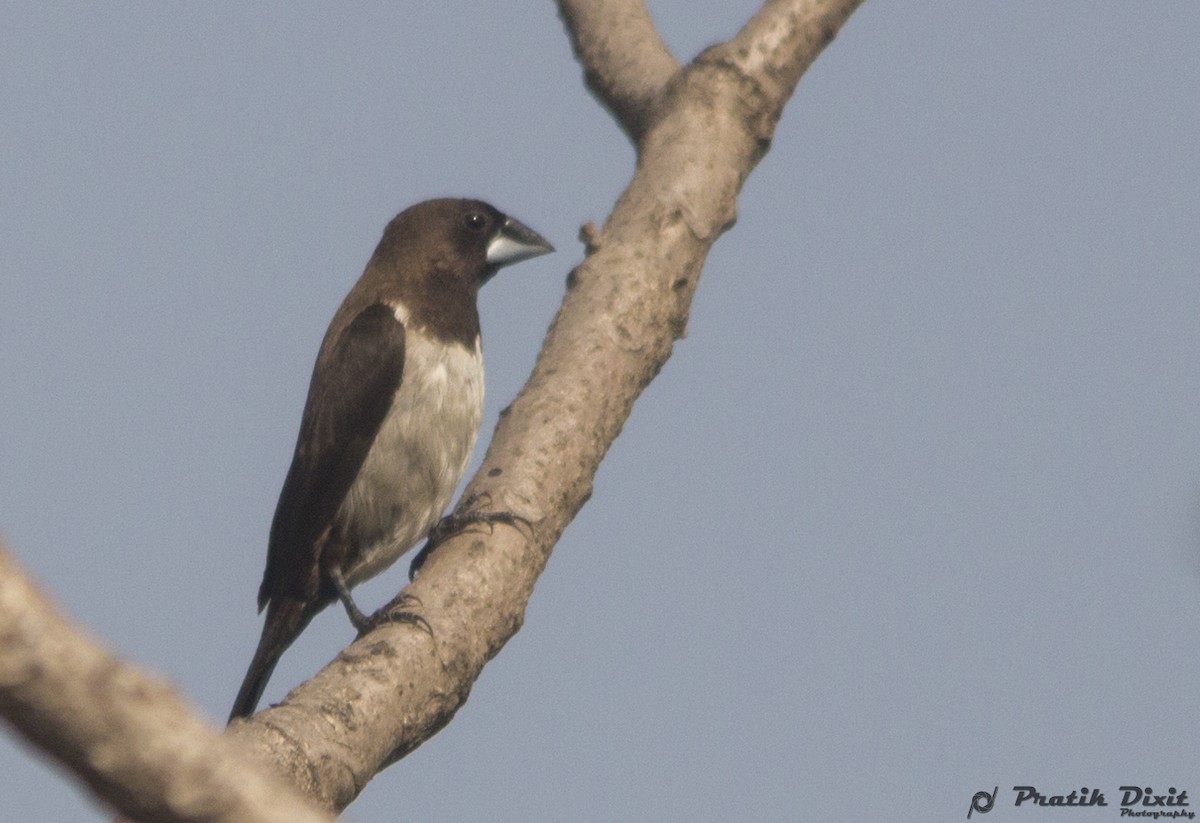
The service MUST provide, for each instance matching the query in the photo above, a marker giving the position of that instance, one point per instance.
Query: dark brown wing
(348, 398)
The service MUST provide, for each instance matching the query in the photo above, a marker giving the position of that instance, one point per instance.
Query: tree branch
(625, 63)
(129, 737)
(625, 305)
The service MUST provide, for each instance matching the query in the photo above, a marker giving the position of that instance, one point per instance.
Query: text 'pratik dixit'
(1136, 801)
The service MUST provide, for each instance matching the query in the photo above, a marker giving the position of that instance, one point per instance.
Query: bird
(393, 410)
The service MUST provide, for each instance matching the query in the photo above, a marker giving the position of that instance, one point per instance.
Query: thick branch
(625, 305)
(784, 37)
(626, 64)
(127, 735)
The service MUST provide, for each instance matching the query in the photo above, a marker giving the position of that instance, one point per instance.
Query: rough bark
(128, 735)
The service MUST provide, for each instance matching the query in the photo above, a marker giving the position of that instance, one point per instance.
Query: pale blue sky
(913, 511)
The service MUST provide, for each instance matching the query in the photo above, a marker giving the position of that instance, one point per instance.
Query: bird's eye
(475, 221)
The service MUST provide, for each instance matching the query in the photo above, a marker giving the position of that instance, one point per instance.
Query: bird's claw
(453, 524)
(397, 611)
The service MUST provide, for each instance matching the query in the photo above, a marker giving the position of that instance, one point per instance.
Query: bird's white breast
(419, 454)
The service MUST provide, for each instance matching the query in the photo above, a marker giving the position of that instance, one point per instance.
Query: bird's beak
(514, 242)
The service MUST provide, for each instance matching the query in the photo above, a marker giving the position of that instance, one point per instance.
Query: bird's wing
(349, 396)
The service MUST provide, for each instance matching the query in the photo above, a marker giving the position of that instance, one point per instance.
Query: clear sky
(913, 511)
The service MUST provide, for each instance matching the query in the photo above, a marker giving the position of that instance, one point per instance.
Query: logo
(982, 802)
(1136, 801)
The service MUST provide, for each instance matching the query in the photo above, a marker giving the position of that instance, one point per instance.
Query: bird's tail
(286, 618)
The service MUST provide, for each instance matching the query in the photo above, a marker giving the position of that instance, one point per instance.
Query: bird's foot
(399, 610)
(357, 618)
(453, 524)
